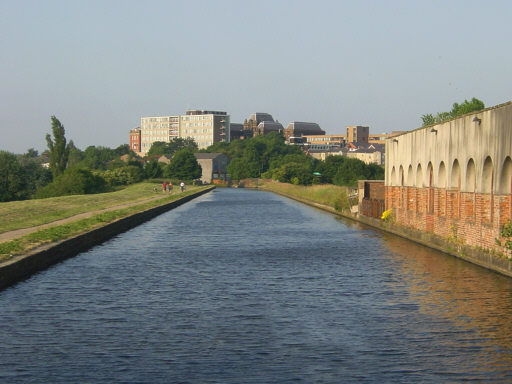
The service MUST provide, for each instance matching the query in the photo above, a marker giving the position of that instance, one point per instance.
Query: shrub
(75, 181)
(387, 216)
(129, 174)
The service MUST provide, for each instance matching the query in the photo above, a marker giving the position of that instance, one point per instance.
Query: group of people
(167, 186)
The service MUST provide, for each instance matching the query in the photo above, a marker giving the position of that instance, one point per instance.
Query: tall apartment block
(205, 127)
(357, 134)
(158, 128)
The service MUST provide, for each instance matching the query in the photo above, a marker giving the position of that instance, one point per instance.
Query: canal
(242, 286)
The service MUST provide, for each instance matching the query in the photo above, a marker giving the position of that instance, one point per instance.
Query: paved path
(10, 235)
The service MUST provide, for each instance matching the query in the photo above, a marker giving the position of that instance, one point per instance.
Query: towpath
(10, 235)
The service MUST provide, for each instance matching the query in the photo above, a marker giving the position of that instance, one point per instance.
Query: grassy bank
(332, 195)
(30, 213)
(36, 212)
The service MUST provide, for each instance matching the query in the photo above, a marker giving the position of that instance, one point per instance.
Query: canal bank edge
(480, 257)
(21, 268)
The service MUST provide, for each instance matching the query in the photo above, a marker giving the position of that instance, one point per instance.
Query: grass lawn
(328, 194)
(30, 213)
(71, 205)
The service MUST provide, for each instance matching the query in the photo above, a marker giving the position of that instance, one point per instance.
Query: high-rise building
(357, 134)
(205, 127)
(158, 128)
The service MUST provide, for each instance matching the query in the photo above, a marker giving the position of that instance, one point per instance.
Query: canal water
(243, 286)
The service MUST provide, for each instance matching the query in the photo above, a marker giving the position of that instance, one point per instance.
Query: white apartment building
(158, 128)
(205, 127)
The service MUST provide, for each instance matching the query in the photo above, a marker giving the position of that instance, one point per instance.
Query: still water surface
(243, 286)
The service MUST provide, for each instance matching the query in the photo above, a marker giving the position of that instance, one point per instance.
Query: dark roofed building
(251, 124)
(299, 128)
(268, 126)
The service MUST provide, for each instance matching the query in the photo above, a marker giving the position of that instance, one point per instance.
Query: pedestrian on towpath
(169, 187)
(182, 186)
(164, 186)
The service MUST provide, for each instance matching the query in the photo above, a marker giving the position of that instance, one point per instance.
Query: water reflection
(245, 286)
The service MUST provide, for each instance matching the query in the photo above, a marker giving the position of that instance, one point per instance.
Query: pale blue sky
(101, 65)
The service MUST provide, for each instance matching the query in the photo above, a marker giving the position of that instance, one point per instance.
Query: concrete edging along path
(479, 257)
(19, 268)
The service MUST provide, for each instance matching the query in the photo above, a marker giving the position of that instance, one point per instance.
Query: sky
(99, 66)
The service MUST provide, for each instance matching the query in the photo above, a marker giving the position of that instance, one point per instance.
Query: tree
(59, 151)
(243, 168)
(74, 181)
(457, 110)
(153, 169)
(183, 166)
(12, 179)
(161, 148)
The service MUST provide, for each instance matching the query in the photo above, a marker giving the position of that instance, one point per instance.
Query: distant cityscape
(209, 127)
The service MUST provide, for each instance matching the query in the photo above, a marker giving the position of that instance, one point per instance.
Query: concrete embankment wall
(453, 247)
(20, 268)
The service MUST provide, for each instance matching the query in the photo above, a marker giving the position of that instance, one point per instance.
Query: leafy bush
(129, 174)
(74, 181)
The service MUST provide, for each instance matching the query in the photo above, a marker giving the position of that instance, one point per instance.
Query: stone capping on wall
(44, 257)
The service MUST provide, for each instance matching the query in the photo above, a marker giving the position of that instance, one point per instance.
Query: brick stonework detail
(472, 218)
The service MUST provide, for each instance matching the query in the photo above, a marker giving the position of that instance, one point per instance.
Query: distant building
(299, 129)
(357, 133)
(332, 140)
(251, 124)
(205, 127)
(214, 166)
(367, 155)
(135, 140)
(158, 128)
(268, 126)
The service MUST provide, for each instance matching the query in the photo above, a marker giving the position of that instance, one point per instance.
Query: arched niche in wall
(419, 176)
(470, 176)
(505, 186)
(393, 176)
(430, 175)
(488, 176)
(455, 176)
(441, 176)
(410, 176)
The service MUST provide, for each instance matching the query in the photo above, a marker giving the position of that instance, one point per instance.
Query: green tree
(243, 168)
(12, 178)
(183, 166)
(59, 151)
(160, 148)
(295, 173)
(74, 181)
(153, 169)
(457, 110)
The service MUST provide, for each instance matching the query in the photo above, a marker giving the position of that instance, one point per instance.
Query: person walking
(169, 186)
(164, 186)
(182, 186)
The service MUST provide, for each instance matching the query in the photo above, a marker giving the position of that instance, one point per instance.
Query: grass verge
(31, 213)
(327, 194)
(9, 249)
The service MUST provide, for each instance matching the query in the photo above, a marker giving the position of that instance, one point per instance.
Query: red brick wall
(472, 218)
